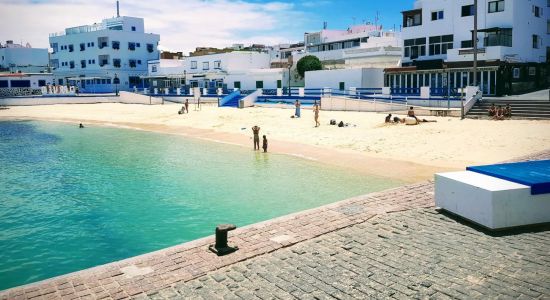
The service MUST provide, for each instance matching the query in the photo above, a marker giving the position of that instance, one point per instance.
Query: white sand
(369, 144)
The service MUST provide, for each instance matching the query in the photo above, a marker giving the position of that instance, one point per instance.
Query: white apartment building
(361, 46)
(16, 58)
(246, 70)
(513, 46)
(92, 56)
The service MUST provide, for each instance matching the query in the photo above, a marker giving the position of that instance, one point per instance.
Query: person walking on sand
(316, 115)
(264, 144)
(297, 105)
(186, 106)
(256, 132)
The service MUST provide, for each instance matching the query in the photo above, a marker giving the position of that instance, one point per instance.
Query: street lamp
(116, 81)
(289, 66)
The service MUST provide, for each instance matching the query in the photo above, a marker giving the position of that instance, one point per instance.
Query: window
(71, 48)
(515, 73)
(138, 45)
(412, 18)
(342, 86)
(139, 61)
(82, 47)
(536, 41)
(54, 63)
(20, 83)
(150, 48)
(71, 64)
(60, 81)
(468, 10)
(415, 48)
(532, 71)
(92, 43)
(217, 64)
(501, 37)
(205, 65)
(537, 11)
(131, 46)
(53, 46)
(116, 62)
(41, 82)
(437, 15)
(132, 63)
(467, 44)
(115, 45)
(133, 28)
(193, 65)
(237, 84)
(3, 83)
(259, 84)
(279, 84)
(496, 6)
(83, 64)
(440, 44)
(153, 68)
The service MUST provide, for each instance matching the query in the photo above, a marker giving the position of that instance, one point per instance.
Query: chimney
(117, 10)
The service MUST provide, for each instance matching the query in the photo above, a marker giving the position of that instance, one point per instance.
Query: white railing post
(301, 92)
(279, 92)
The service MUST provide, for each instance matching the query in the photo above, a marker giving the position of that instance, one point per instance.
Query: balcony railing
(470, 51)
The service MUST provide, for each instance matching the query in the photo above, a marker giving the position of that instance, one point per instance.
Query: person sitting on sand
(492, 110)
(411, 114)
(256, 132)
(398, 120)
(264, 144)
(508, 111)
(388, 119)
(499, 115)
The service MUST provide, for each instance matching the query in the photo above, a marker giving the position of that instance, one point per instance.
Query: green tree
(308, 63)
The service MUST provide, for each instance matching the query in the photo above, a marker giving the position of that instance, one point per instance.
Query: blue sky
(186, 24)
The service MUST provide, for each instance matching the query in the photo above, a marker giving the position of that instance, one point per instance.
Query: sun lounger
(497, 196)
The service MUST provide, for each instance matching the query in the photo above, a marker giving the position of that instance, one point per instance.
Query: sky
(184, 25)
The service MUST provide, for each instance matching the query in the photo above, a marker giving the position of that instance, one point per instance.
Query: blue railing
(405, 91)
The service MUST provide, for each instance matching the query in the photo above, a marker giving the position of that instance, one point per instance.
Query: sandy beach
(409, 153)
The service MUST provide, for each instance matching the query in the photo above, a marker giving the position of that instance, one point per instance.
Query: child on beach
(264, 144)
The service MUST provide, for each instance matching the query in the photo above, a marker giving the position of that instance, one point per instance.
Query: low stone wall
(15, 92)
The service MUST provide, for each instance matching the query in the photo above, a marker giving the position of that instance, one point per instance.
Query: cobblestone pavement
(413, 254)
(391, 244)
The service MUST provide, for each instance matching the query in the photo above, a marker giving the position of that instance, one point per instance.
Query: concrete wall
(125, 97)
(358, 78)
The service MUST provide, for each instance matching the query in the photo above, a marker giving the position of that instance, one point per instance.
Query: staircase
(521, 109)
(234, 102)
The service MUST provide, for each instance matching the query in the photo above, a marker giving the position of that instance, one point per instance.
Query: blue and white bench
(497, 196)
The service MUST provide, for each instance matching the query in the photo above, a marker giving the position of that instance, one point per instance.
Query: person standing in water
(297, 104)
(256, 132)
(316, 114)
(264, 144)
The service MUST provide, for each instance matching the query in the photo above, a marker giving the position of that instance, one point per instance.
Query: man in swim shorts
(256, 132)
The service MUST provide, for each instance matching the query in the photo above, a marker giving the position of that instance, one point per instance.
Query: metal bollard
(221, 247)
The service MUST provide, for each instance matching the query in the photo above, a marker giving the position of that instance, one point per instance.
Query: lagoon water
(75, 198)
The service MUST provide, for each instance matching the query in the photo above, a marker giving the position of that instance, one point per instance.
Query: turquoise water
(76, 198)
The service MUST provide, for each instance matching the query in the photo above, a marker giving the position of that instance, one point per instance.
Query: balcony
(487, 53)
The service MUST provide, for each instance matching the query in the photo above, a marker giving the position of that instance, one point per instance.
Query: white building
(16, 58)
(92, 55)
(513, 46)
(361, 46)
(246, 70)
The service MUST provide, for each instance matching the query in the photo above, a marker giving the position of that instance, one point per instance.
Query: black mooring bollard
(221, 247)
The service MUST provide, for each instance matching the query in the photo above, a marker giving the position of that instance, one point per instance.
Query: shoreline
(368, 145)
(407, 172)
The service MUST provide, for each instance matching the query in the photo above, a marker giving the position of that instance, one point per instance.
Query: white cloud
(182, 25)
